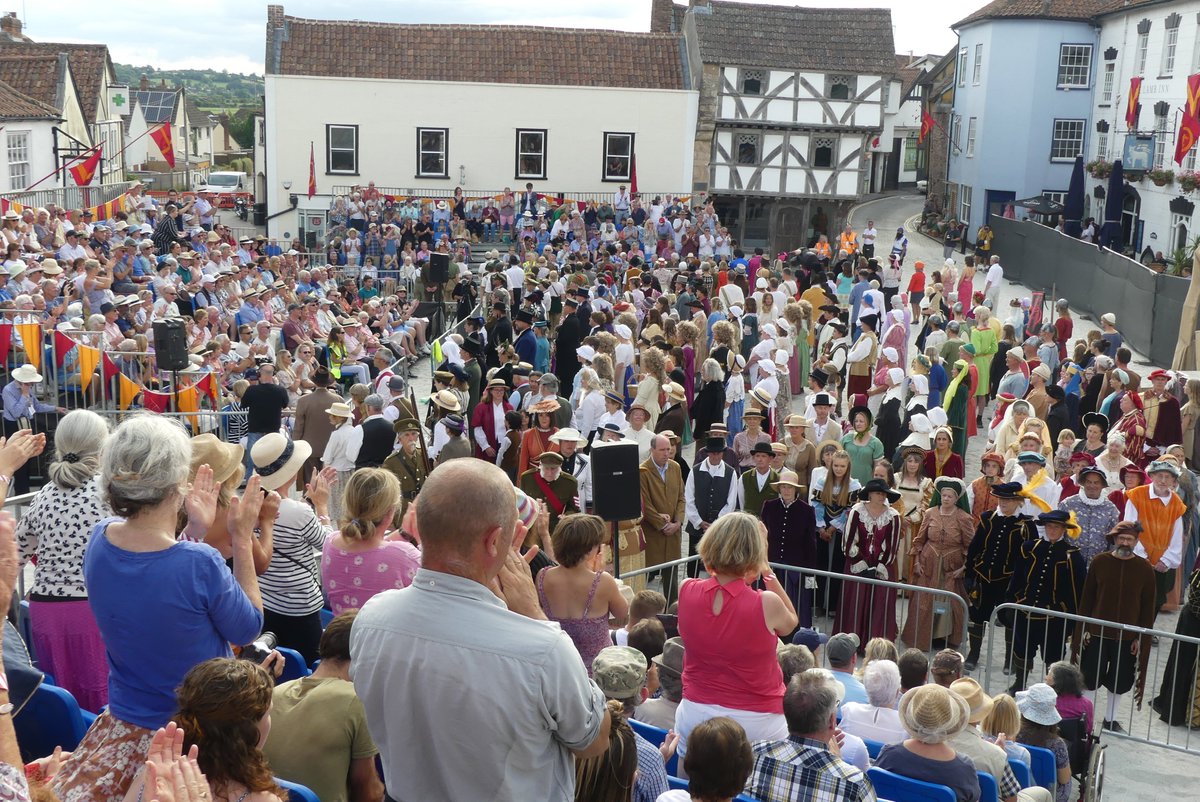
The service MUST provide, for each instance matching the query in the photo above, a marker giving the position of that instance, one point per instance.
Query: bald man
(448, 642)
(662, 511)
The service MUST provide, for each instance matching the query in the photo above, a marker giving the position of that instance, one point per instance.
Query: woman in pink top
(364, 558)
(731, 631)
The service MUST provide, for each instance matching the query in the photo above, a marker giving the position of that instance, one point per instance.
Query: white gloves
(881, 571)
(810, 583)
(859, 567)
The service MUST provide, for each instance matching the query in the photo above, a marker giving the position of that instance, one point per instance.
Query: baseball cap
(841, 648)
(812, 638)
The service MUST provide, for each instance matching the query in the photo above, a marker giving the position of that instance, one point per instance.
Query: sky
(231, 34)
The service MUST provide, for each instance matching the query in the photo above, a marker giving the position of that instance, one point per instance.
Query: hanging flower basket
(1099, 168)
(1188, 181)
(1161, 178)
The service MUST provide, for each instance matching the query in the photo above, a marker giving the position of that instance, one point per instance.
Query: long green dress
(862, 456)
(956, 414)
(984, 341)
(803, 356)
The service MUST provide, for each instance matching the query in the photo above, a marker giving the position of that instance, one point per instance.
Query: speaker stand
(616, 550)
(174, 391)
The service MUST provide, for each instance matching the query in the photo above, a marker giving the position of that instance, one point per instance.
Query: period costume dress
(792, 540)
(915, 498)
(871, 546)
(939, 548)
(1133, 425)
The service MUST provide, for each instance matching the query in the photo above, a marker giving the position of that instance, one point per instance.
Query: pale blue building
(1024, 78)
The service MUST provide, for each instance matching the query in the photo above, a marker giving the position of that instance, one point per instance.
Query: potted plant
(1099, 168)
(1188, 180)
(1161, 177)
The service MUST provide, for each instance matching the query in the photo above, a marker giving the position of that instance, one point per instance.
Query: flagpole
(81, 156)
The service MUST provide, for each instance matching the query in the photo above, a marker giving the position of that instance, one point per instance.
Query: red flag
(1189, 122)
(312, 170)
(84, 172)
(1132, 108)
(927, 124)
(633, 174)
(6, 330)
(162, 138)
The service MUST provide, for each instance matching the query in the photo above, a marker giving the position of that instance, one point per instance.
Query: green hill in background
(211, 90)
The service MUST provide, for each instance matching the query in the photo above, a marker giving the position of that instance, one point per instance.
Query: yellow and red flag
(312, 170)
(1189, 123)
(85, 171)
(927, 124)
(162, 138)
(1131, 108)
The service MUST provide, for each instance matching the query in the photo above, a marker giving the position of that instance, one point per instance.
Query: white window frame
(1177, 221)
(977, 70)
(1189, 161)
(1110, 78)
(523, 174)
(1143, 45)
(962, 66)
(1056, 195)
(1102, 145)
(422, 151)
(609, 138)
(1170, 47)
(972, 126)
(330, 149)
(1058, 126)
(964, 203)
(956, 130)
(17, 146)
(1162, 140)
(1070, 60)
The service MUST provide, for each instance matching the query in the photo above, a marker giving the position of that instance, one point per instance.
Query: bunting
(62, 344)
(31, 338)
(5, 341)
(89, 358)
(1189, 122)
(188, 400)
(1132, 108)
(104, 211)
(155, 401)
(127, 391)
(162, 137)
(108, 367)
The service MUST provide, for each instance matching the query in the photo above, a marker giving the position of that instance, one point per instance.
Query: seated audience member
(877, 720)
(449, 642)
(1004, 719)
(807, 764)
(660, 712)
(367, 556)
(620, 671)
(842, 653)
(612, 773)
(1067, 681)
(717, 765)
(988, 757)
(947, 666)
(877, 649)
(914, 669)
(163, 605)
(225, 711)
(578, 593)
(794, 659)
(645, 604)
(648, 637)
(319, 732)
(1039, 727)
(813, 639)
(932, 715)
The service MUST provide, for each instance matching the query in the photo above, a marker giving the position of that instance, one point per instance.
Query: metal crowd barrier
(904, 613)
(1172, 680)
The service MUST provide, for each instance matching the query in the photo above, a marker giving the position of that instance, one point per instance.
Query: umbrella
(1110, 232)
(1040, 204)
(1073, 208)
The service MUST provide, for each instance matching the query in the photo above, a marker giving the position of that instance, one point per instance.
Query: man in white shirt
(718, 489)
(991, 285)
(867, 238)
(824, 426)
(204, 210)
(514, 277)
(391, 411)
(621, 204)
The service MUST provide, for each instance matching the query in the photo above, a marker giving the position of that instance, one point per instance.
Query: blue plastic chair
(676, 784)
(902, 789)
(1043, 767)
(26, 623)
(297, 792)
(50, 718)
(294, 666)
(989, 789)
(656, 736)
(1021, 771)
(326, 616)
(873, 747)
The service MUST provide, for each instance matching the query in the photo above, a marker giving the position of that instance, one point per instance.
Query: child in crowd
(646, 604)
(1062, 455)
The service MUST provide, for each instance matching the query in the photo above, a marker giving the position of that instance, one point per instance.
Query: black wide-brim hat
(878, 486)
(1097, 418)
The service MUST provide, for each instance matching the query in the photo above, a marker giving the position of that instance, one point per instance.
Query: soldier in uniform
(548, 482)
(1049, 574)
(990, 561)
(408, 462)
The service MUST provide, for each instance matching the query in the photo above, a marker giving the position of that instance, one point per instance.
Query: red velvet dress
(870, 610)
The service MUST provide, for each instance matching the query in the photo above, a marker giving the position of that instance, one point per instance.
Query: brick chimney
(144, 83)
(660, 15)
(10, 23)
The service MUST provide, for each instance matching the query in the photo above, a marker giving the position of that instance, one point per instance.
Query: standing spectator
(451, 618)
(337, 759)
(991, 284)
(340, 453)
(662, 511)
(264, 403)
(312, 422)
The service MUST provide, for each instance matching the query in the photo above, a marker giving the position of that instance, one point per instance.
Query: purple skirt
(68, 645)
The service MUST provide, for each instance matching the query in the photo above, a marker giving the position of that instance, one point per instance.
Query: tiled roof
(857, 40)
(35, 76)
(908, 75)
(1037, 9)
(477, 53)
(15, 105)
(197, 117)
(88, 64)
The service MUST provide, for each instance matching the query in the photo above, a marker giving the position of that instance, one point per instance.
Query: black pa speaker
(439, 268)
(170, 344)
(616, 485)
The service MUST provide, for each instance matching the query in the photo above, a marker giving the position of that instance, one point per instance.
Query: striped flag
(162, 138)
(84, 172)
